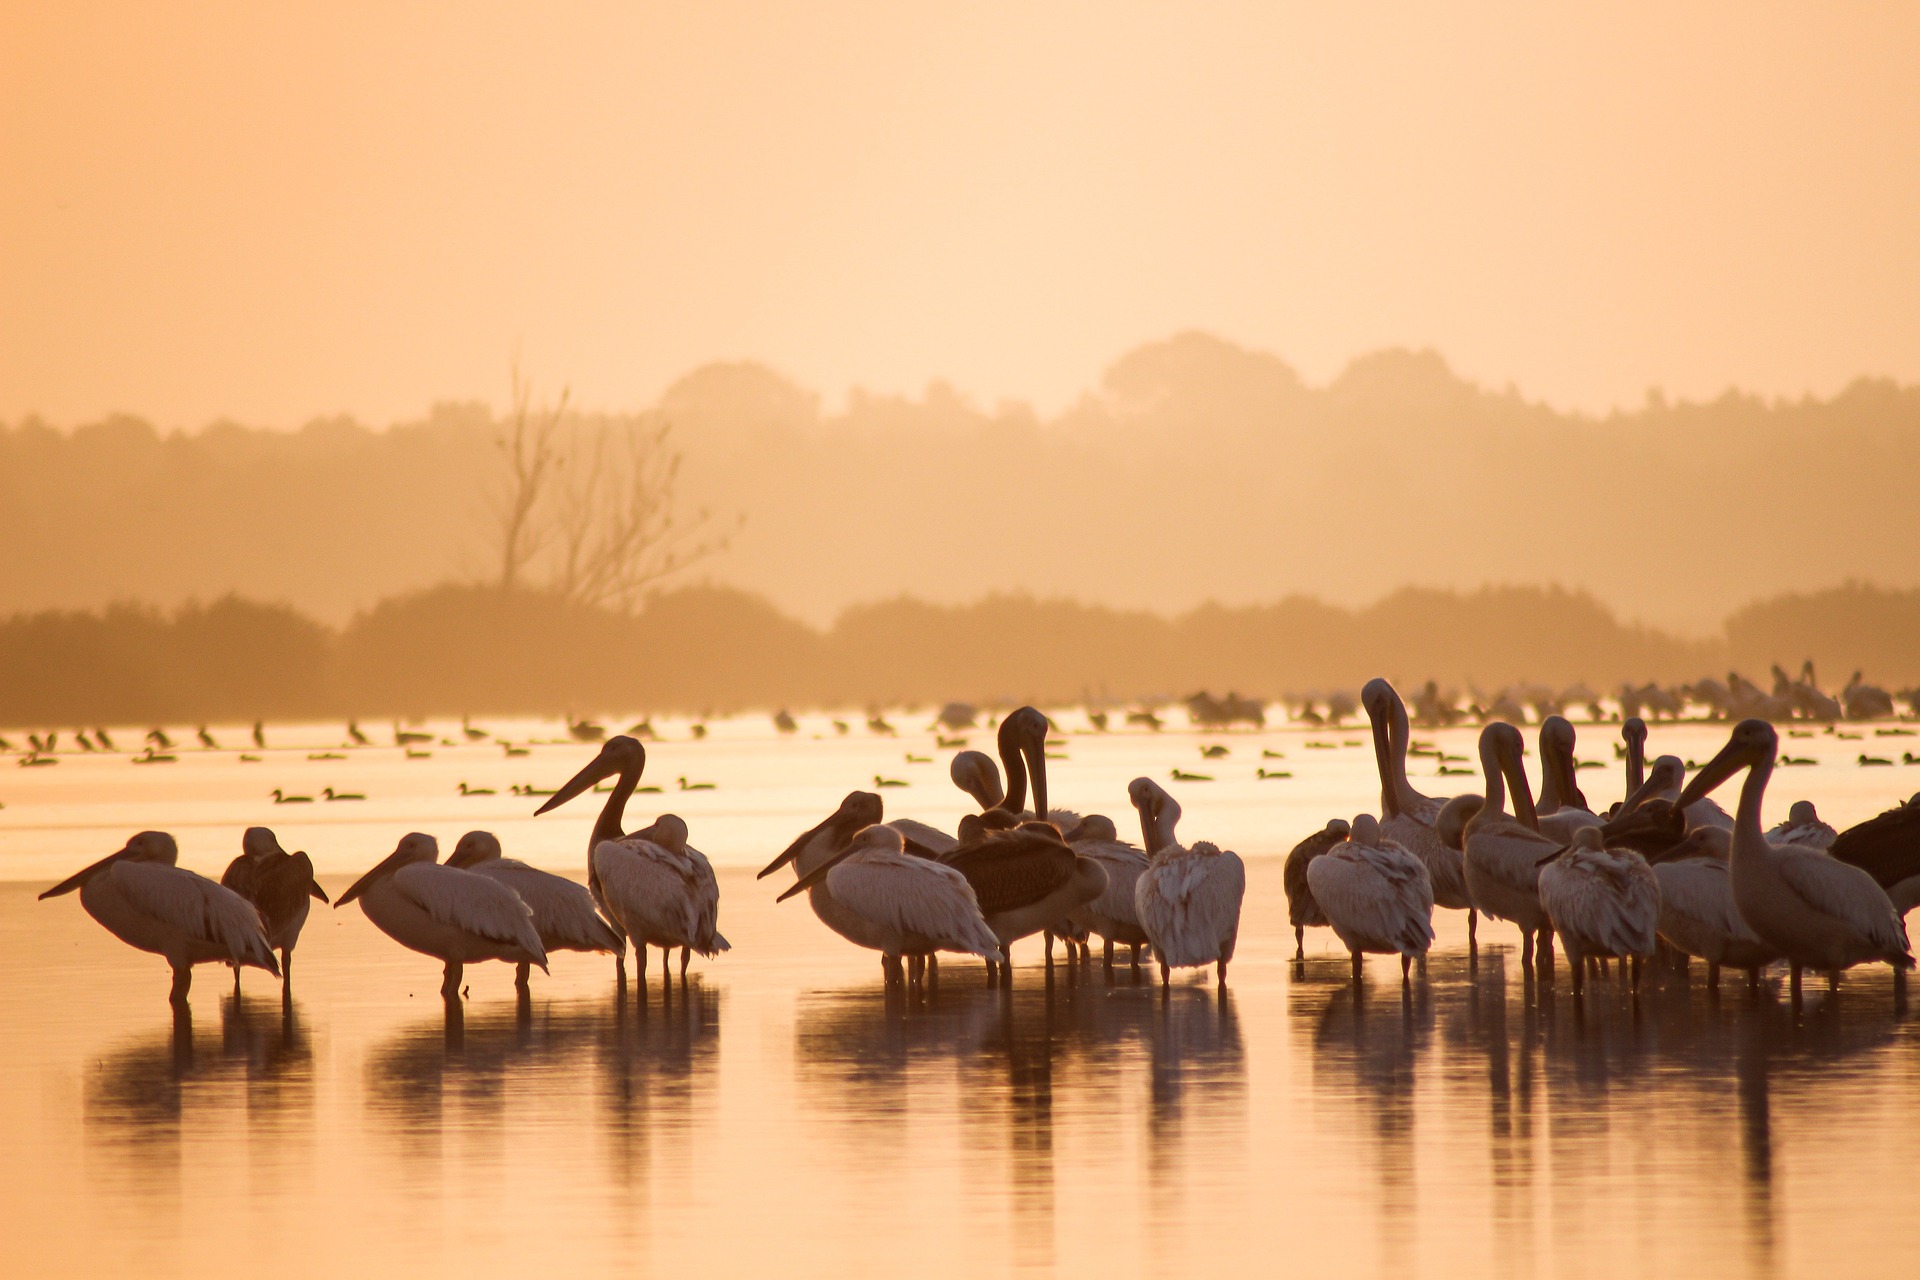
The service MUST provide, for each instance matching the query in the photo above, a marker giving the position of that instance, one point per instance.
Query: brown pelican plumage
(281, 887)
(1303, 911)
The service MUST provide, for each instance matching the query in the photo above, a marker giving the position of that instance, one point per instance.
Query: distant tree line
(467, 648)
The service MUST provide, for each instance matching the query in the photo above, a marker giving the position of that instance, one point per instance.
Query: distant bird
(159, 738)
(331, 794)
(878, 724)
(841, 726)
(879, 781)
(1819, 912)
(281, 887)
(360, 739)
(1213, 752)
(1188, 898)
(706, 786)
(949, 744)
(472, 733)
(1181, 775)
(563, 910)
(281, 797)
(458, 917)
(512, 750)
(100, 736)
(864, 886)
(142, 898)
(259, 735)
(409, 737)
(699, 731)
(1145, 718)
(325, 755)
(466, 790)
(207, 739)
(1376, 896)
(414, 753)
(642, 729)
(784, 722)
(1602, 902)
(958, 715)
(80, 736)
(914, 759)
(1303, 912)
(584, 730)
(1265, 774)
(245, 758)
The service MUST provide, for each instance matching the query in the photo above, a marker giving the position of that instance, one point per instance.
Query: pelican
(1562, 809)
(1406, 816)
(1503, 854)
(142, 898)
(281, 887)
(1303, 912)
(1887, 848)
(1803, 827)
(1023, 751)
(1115, 914)
(622, 758)
(873, 893)
(1188, 898)
(1818, 911)
(563, 911)
(663, 893)
(1602, 902)
(458, 917)
(1026, 880)
(1377, 896)
(1697, 912)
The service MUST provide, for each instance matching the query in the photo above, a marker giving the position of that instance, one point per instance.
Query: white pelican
(623, 759)
(563, 911)
(1114, 915)
(1818, 911)
(1406, 816)
(876, 894)
(1803, 827)
(663, 893)
(1562, 808)
(1303, 911)
(457, 917)
(905, 904)
(1602, 902)
(1188, 898)
(1503, 854)
(140, 897)
(1376, 895)
(1697, 912)
(1665, 779)
(281, 887)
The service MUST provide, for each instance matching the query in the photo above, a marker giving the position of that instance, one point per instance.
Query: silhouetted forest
(1196, 470)
(457, 649)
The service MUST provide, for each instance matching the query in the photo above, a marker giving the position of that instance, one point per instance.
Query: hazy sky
(276, 211)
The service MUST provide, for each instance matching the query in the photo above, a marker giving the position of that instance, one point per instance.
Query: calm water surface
(780, 1113)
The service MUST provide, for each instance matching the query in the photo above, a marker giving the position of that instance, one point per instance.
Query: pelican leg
(933, 968)
(1833, 981)
(916, 969)
(1634, 981)
(686, 957)
(286, 969)
(182, 979)
(1106, 953)
(639, 964)
(1406, 969)
(1166, 974)
(1048, 935)
(1793, 983)
(1300, 938)
(1579, 976)
(1526, 946)
(1136, 956)
(1355, 960)
(1220, 972)
(450, 982)
(522, 975)
(1713, 975)
(1473, 929)
(896, 976)
(620, 966)
(236, 982)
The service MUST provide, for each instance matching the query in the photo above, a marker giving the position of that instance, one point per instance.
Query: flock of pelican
(1666, 867)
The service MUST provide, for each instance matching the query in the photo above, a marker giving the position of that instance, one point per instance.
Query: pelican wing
(932, 839)
(1698, 889)
(915, 896)
(1013, 869)
(1511, 853)
(1377, 893)
(563, 912)
(470, 902)
(1612, 899)
(1302, 908)
(1886, 848)
(280, 889)
(1189, 903)
(706, 894)
(1415, 833)
(1846, 893)
(213, 913)
(657, 892)
(1123, 864)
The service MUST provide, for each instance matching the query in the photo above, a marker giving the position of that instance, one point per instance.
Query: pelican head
(1023, 751)
(1752, 745)
(474, 848)
(619, 756)
(1365, 829)
(1159, 812)
(975, 773)
(1378, 697)
(1556, 761)
(859, 809)
(1451, 823)
(1633, 731)
(1701, 842)
(413, 847)
(144, 846)
(669, 831)
(879, 839)
(1095, 826)
(1802, 814)
(259, 843)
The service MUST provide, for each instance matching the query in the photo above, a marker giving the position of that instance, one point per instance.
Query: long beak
(1570, 793)
(1036, 753)
(79, 877)
(1640, 795)
(793, 850)
(1715, 772)
(360, 886)
(1149, 827)
(1515, 770)
(1010, 760)
(816, 875)
(597, 768)
(1555, 856)
(1382, 759)
(313, 887)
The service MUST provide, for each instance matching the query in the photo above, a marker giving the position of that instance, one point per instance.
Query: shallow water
(781, 1113)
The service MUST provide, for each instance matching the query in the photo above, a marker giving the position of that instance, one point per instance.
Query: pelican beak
(1035, 750)
(816, 875)
(1012, 750)
(313, 887)
(1516, 775)
(81, 876)
(792, 851)
(1382, 759)
(1716, 771)
(384, 867)
(1148, 825)
(600, 767)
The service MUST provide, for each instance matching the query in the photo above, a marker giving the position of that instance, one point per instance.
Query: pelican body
(1503, 854)
(1188, 898)
(141, 897)
(1817, 911)
(281, 887)
(662, 891)
(563, 910)
(458, 917)
(1697, 911)
(1602, 902)
(1303, 909)
(1407, 817)
(1376, 895)
(1115, 914)
(863, 885)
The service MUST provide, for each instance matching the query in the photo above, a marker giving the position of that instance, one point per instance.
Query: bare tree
(589, 508)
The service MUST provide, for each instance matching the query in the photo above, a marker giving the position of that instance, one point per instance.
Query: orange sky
(276, 211)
